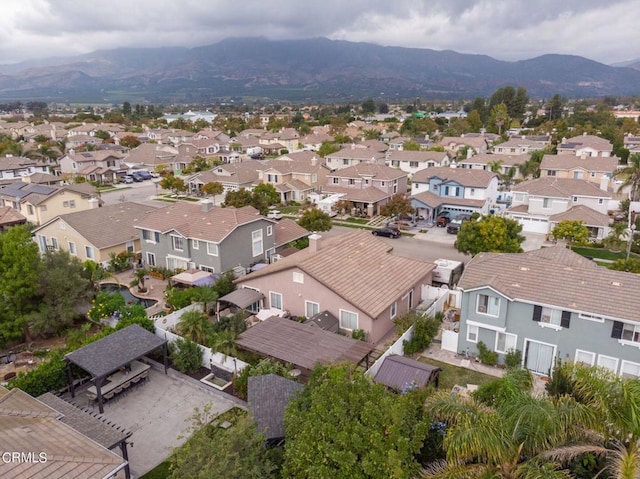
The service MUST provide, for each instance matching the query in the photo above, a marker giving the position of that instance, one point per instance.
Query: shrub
(105, 305)
(424, 330)
(405, 321)
(359, 334)
(48, 376)
(235, 323)
(490, 358)
(179, 298)
(513, 359)
(185, 355)
(267, 366)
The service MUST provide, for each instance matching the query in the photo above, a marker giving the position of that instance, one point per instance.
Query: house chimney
(206, 205)
(94, 203)
(314, 242)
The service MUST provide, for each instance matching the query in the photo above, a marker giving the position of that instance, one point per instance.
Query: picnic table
(120, 380)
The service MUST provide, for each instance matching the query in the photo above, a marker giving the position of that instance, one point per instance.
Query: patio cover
(242, 297)
(400, 372)
(194, 277)
(110, 353)
(302, 345)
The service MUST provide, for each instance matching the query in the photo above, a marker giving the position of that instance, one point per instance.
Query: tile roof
(268, 396)
(560, 188)
(586, 141)
(10, 216)
(106, 226)
(559, 277)
(485, 158)
(433, 200)
(358, 267)
(357, 154)
(189, 220)
(583, 213)
(421, 156)
(287, 230)
(370, 194)
(29, 425)
(463, 176)
(294, 166)
(606, 164)
(236, 173)
(370, 170)
(15, 162)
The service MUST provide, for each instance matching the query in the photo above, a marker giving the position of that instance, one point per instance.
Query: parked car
(454, 225)
(443, 219)
(127, 179)
(274, 215)
(145, 175)
(387, 231)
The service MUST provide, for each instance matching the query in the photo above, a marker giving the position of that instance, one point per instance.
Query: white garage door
(533, 225)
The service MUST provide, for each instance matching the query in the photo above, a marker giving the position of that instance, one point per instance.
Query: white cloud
(603, 30)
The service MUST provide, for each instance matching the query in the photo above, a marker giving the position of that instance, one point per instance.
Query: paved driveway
(156, 413)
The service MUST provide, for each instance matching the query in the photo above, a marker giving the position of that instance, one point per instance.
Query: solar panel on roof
(86, 155)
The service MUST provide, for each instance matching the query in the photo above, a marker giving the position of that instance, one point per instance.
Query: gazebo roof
(242, 297)
(111, 352)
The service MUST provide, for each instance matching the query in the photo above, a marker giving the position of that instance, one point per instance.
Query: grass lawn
(161, 471)
(452, 375)
(360, 221)
(289, 210)
(600, 253)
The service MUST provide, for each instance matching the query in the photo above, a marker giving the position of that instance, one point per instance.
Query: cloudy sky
(602, 30)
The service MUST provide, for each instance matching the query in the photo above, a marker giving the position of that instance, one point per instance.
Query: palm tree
(95, 273)
(495, 166)
(140, 274)
(630, 175)
(223, 342)
(507, 439)
(205, 295)
(195, 326)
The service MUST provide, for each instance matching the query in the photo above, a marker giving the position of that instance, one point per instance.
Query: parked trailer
(447, 272)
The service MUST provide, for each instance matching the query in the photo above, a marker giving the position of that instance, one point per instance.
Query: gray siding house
(201, 236)
(551, 304)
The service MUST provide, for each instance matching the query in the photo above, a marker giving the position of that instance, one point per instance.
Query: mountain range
(303, 70)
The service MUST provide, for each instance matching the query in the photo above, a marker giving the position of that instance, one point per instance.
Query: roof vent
(616, 283)
(523, 268)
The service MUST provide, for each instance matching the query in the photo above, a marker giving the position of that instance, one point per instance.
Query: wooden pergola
(109, 354)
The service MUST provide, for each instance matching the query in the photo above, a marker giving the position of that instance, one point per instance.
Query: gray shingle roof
(399, 371)
(559, 277)
(268, 397)
(111, 352)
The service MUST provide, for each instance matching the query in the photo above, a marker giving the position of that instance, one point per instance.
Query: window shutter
(616, 331)
(566, 319)
(537, 313)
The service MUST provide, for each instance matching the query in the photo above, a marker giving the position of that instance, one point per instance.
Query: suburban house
(10, 217)
(232, 176)
(101, 166)
(15, 167)
(150, 155)
(315, 140)
(206, 237)
(352, 276)
(294, 179)
(287, 138)
(585, 145)
(595, 169)
(522, 144)
(475, 144)
(94, 234)
(352, 156)
(412, 161)
(453, 190)
(551, 304)
(76, 141)
(535, 202)
(398, 142)
(40, 203)
(487, 161)
(368, 186)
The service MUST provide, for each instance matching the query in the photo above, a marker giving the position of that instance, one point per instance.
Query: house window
(547, 203)
(272, 178)
(601, 201)
(395, 163)
(472, 333)
(298, 277)
(335, 181)
(72, 248)
(275, 300)
(256, 243)
(410, 299)
(151, 259)
(551, 172)
(156, 237)
(630, 370)
(366, 181)
(54, 243)
(505, 342)
(382, 183)
(551, 316)
(518, 197)
(575, 199)
(352, 181)
(311, 308)
(30, 209)
(592, 174)
(488, 305)
(43, 208)
(177, 242)
(608, 362)
(129, 245)
(195, 244)
(394, 309)
(473, 191)
(208, 269)
(631, 333)
(591, 317)
(586, 358)
(348, 320)
(577, 175)
(88, 251)
(345, 162)
(212, 249)
(413, 164)
(269, 230)
(63, 225)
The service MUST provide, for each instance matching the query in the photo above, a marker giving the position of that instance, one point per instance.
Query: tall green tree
(20, 268)
(499, 117)
(474, 120)
(490, 234)
(212, 189)
(343, 425)
(630, 176)
(398, 205)
(314, 219)
(173, 183)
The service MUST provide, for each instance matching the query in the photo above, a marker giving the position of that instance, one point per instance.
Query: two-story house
(150, 155)
(541, 203)
(367, 185)
(413, 161)
(206, 237)
(15, 167)
(585, 145)
(352, 156)
(233, 176)
(453, 190)
(94, 234)
(98, 166)
(502, 164)
(287, 138)
(551, 304)
(596, 169)
(40, 203)
(352, 276)
(522, 144)
(475, 145)
(295, 179)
